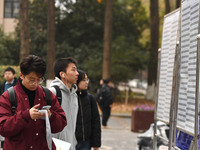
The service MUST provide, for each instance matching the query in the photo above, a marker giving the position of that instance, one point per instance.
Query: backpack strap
(13, 101)
(48, 95)
(58, 94)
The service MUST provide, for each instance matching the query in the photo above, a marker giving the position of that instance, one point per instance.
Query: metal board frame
(167, 60)
(193, 64)
(188, 64)
(172, 21)
(186, 78)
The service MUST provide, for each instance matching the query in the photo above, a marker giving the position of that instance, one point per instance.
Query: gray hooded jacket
(70, 107)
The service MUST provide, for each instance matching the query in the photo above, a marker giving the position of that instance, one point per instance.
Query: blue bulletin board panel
(188, 58)
(183, 140)
(168, 47)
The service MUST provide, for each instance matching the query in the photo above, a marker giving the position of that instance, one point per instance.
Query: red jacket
(19, 130)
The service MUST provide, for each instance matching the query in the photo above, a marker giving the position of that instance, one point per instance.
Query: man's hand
(34, 112)
(95, 148)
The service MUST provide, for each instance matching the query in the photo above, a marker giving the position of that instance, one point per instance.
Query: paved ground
(119, 136)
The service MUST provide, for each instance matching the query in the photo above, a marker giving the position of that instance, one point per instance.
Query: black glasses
(86, 80)
(34, 81)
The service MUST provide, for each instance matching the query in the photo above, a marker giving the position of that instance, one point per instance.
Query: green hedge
(2, 68)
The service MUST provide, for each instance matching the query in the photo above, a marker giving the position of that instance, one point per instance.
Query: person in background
(98, 97)
(24, 128)
(105, 99)
(11, 80)
(100, 83)
(88, 127)
(66, 76)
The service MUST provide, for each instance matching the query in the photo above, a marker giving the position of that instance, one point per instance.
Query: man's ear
(62, 74)
(21, 75)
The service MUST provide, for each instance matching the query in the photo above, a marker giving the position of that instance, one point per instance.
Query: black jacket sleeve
(96, 125)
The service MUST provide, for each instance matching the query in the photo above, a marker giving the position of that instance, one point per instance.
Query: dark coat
(88, 125)
(104, 97)
(2, 85)
(20, 131)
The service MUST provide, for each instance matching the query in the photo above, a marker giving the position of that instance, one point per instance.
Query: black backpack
(58, 94)
(13, 101)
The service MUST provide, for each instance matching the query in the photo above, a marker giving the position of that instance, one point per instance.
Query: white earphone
(63, 75)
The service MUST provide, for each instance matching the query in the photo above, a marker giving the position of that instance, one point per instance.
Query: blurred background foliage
(79, 34)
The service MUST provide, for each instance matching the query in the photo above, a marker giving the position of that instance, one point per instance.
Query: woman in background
(88, 128)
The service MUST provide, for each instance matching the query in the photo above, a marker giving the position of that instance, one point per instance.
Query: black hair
(9, 69)
(61, 65)
(106, 81)
(81, 76)
(33, 63)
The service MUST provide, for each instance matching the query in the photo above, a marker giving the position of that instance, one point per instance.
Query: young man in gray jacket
(66, 76)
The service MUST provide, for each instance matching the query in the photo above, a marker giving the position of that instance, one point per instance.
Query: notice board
(188, 58)
(168, 48)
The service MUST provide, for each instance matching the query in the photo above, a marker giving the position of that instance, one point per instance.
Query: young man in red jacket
(24, 129)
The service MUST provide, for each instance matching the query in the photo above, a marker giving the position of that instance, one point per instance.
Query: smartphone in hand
(46, 107)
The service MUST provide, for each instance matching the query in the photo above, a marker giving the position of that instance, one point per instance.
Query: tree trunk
(154, 24)
(178, 3)
(24, 29)
(167, 6)
(50, 38)
(107, 39)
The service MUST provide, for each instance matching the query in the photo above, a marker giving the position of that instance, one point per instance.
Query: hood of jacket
(63, 87)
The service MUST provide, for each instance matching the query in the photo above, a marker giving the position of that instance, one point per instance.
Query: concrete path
(119, 136)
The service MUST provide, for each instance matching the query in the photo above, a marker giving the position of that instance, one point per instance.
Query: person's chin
(74, 82)
(33, 88)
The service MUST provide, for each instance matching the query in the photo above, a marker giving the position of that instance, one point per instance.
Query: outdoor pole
(197, 95)
(174, 98)
(155, 111)
(177, 72)
(171, 119)
(176, 83)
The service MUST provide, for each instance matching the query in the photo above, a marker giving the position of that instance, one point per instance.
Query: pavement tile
(118, 135)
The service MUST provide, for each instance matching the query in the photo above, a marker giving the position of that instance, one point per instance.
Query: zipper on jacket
(82, 118)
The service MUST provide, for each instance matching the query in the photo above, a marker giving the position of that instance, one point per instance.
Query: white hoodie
(70, 107)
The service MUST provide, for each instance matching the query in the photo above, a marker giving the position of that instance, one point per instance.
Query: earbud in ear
(63, 75)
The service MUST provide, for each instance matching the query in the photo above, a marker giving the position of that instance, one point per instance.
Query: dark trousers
(105, 114)
(83, 145)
